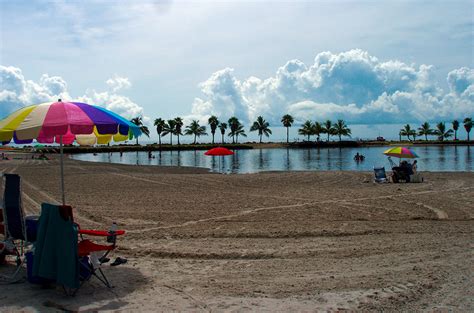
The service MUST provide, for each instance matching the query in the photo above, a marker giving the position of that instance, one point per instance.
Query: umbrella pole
(62, 168)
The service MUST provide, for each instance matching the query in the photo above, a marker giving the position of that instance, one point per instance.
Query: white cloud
(352, 85)
(118, 82)
(16, 92)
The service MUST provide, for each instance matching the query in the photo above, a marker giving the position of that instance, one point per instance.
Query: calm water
(431, 158)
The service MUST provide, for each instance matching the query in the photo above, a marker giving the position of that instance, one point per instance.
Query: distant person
(414, 167)
(359, 157)
(43, 156)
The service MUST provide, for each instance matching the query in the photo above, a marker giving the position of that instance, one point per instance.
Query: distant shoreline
(246, 145)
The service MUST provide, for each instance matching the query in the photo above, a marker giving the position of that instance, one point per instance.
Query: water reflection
(431, 158)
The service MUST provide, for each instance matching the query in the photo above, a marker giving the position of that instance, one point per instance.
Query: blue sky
(365, 61)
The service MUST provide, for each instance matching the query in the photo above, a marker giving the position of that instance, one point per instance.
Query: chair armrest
(103, 233)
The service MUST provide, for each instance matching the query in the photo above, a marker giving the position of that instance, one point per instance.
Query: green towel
(55, 255)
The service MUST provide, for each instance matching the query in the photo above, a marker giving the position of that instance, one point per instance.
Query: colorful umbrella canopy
(74, 121)
(64, 123)
(401, 152)
(220, 151)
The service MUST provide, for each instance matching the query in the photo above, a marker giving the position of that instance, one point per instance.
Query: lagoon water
(431, 158)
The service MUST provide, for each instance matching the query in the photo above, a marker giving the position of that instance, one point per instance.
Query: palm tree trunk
(137, 141)
(287, 135)
(328, 136)
(308, 137)
(159, 139)
(237, 138)
(194, 139)
(339, 138)
(260, 138)
(171, 139)
(455, 135)
(178, 140)
(222, 138)
(213, 138)
(426, 137)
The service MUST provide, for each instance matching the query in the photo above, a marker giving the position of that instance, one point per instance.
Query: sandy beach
(279, 241)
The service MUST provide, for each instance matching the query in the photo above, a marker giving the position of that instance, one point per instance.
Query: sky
(367, 62)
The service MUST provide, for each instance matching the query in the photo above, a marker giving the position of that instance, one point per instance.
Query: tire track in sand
(252, 211)
(49, 198)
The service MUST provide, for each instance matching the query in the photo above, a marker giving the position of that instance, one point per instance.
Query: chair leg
(103, 279)
(19, 262)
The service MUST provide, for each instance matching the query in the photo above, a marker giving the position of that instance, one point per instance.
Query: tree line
(441, 132)
(235, 129)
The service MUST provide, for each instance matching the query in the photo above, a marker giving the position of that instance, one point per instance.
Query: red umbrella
(219, 151)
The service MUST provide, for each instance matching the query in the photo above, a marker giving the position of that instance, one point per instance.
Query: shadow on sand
(93, 296)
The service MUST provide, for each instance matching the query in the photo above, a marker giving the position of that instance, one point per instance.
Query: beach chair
(12, 225)
(62, 254)
(380, 175)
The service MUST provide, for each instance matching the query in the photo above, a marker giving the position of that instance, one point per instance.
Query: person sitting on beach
(43, 156)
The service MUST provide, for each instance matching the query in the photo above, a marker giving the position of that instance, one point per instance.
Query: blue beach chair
(380, 175)
(13, 224)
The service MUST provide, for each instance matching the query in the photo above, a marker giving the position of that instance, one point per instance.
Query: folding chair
(380, 176)
(84, 256)
(13, 222)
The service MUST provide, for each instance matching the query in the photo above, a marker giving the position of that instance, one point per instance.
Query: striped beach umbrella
(65, 123)
(401, 152)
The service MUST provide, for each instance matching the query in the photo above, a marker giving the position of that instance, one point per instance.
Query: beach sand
(280, 241)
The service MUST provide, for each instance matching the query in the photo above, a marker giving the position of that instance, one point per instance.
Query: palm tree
(222, 127)
(261, 126)
(169, 129)
(441, 131)
(213, 123)
(468, 126)
(195, 129)
(160, 126)
(455, 128)
(318, 129)
(139, 122)
(328, 129)
(233, 125)
(239, 131)
(425, 130)
(341, 129)
(306, 129)
(287, 121)
(406, 131)
(178, 127)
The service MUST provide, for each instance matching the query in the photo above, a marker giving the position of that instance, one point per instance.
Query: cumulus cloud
(16, 92)
(352, 85)
(117, 83)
